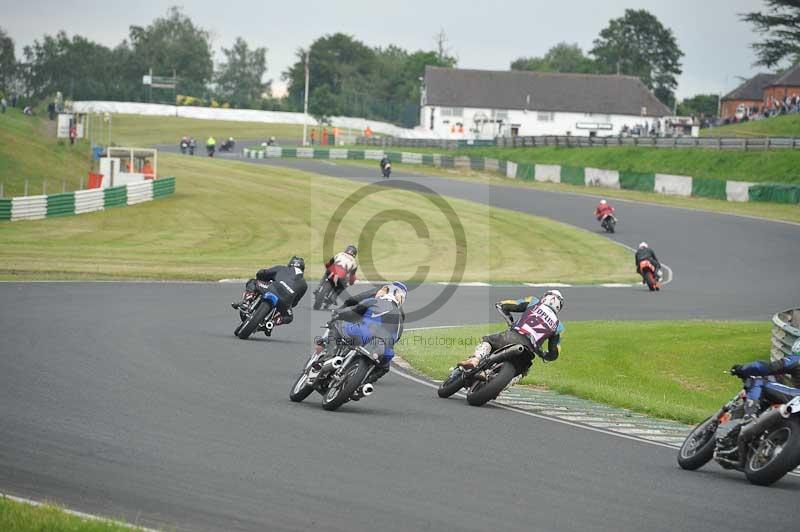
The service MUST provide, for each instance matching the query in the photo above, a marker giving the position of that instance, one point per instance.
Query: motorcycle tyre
(786, 461)
(347, 388)
(258, 315)
(704, 453)
(453, 383)
(483, 392)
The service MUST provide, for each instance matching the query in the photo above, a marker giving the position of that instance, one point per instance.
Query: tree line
(348, 76)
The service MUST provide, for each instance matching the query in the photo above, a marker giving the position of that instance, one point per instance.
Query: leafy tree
(780, 23)
(562, 57)
(7, 61)
(637, 44)
(239, 78)
(700, 104)
(174, 44)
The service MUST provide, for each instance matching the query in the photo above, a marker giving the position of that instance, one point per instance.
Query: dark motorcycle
(192, 146)
(227, 146)
(765, 449)
(339, 377)
(184, 146)
(210, 149)
(609, 223)
(328, 290)
(258, 314)
(386, 169)
(497, 371)
(650, 275)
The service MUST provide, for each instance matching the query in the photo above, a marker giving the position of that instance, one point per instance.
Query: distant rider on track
(344, 266)
(645, 252)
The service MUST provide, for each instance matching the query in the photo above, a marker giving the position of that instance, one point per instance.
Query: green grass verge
(19, 517)
(771, 211)
(29, 150)
(779, 126)
(140, 131)
(667, 369)
(230, 218)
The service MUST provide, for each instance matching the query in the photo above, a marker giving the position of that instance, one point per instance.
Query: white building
(459, 103)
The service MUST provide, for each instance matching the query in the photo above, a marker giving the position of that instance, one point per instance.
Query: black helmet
(351, 250)
(297, 262)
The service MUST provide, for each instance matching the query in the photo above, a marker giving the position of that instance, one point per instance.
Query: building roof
(541, 91)
(752, 89)
(790, 78)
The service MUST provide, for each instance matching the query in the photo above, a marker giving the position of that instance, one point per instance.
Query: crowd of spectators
(774, 107)
(661, 128)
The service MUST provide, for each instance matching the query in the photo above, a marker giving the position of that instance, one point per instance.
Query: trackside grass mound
(227, 219)
(29, 150)
(778, 126)
(674, 370)
(19, 517)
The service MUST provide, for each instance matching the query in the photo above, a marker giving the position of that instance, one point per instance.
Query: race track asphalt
(134, 400)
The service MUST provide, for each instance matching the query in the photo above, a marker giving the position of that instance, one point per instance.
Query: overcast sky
(483, 35)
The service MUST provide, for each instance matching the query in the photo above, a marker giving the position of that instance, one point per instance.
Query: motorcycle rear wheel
(453, 383)
(498, 378)
(698, 447)
(339, 393)
(650, 280)
(322, 295)
(774, 455)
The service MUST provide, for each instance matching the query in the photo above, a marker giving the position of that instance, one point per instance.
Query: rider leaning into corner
(645, 252)
(346, 264)
(374, 321)
(538, 322)
(758, 370)
(602, 210)
(287, 289)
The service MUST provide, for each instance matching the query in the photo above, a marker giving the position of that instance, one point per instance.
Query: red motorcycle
(325, 295)
(649, 275)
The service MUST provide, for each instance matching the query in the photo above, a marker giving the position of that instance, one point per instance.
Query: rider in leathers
(346, 261)
(788, 365)
(373, 322)
(646, 253)
(539, 322)
(287, 289)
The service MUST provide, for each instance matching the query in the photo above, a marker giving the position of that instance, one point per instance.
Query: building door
(514, 131)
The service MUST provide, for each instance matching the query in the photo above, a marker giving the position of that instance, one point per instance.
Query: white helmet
(603, 202)
(396, 292)
(643, 245)
(554, 300)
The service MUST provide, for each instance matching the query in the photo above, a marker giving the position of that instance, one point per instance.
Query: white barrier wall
(140, 192)
(492, 165)
(28, 208)
(375, 155)
(601, 178)
(89, 200)
(737, 190)
(548, 172)
(305, 153)
(676, 185)
(511, 170)
(338, 154)
(411, 158)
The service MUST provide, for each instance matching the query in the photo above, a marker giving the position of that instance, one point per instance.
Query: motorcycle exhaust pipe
(332, 364)
(764, 422)
(367, 390)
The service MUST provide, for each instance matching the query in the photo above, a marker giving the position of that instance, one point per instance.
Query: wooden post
(80, 186)
(26, 188)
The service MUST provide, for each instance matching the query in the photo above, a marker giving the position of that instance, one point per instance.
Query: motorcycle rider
(287, 289)
(788, 365)
(539, 322)
(192, 145)
(646, 253)
(384, 162)
(211, 145)
(602, 210)
(343, 261)
(228, 144)
(184, 143)
(374, 322)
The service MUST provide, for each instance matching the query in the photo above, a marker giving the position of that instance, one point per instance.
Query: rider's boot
(751, 408)
(481, 350)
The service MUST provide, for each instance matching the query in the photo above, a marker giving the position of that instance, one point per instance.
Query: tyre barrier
(785, 331)
(675, 185)
(83, 201)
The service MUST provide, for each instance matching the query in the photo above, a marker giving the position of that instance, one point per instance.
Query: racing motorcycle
(608, 223)
(386, 169)
(259, 313)
(765, 448)
(497, 371)
(338, 377)
(328, 290)
(210, 148)
(650, 276)
(184, 146)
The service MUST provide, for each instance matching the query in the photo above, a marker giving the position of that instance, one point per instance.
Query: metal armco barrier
(784, 333)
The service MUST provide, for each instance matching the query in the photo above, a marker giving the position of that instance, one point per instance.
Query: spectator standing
(13, 99)
(3, 104)
(313, 136)
(73, 133)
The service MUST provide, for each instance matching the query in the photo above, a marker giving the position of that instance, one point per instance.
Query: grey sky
(483, 35)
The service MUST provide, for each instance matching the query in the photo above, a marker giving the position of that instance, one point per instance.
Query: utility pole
(305, 105)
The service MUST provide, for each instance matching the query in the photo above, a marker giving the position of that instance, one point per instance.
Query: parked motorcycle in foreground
(765, 448)
(338, 377)
(497, 371)
(259, 314)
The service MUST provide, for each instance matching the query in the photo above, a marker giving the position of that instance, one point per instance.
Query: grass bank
(230, 218)
(779, 126)
(137, 130)
(29, 150)
(673, 370)
(19, 517)
(771, 211)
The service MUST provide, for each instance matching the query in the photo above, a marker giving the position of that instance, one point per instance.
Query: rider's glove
(737, 370)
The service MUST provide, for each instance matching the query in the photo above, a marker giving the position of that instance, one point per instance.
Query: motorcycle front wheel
(497, 379)
(301, 388)
(698, 447)
(251, 324)
(774, 454)
(340, 392)
(453, 383)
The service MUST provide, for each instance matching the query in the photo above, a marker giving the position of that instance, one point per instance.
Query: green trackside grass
(772, 211)
(667, 369)
(19, 517)
(29, 150)
(141, 131)
(778, 126)
(229, 218)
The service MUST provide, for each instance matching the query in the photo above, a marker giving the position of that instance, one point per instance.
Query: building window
(501, 115)
(446, 111)
(545, 116)
(458, 111)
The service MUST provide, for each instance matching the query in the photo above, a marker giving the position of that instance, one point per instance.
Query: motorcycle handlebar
(506, 317)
